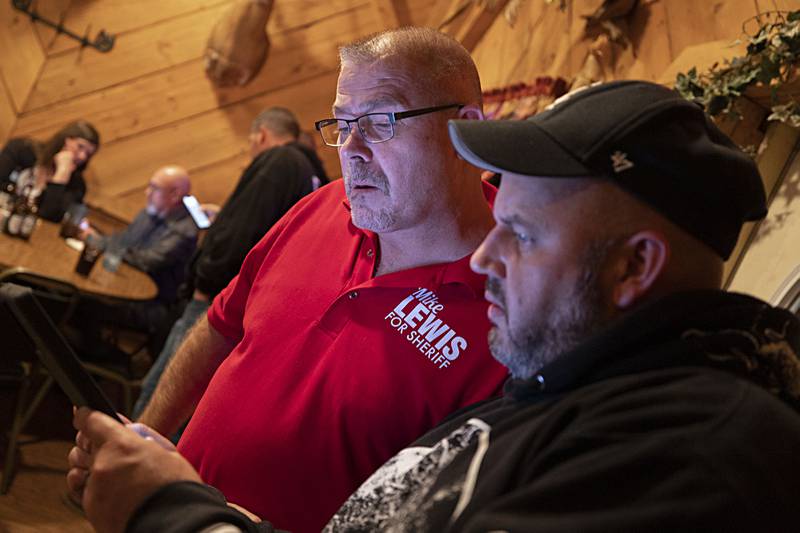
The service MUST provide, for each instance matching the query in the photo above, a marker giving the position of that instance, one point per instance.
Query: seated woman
(52, 171)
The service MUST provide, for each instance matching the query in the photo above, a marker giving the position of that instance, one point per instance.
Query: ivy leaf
(772, 59)
(758, 43)
(786, 113)
(688, 85)
(768, 70)
(717, 104)
(739, 81)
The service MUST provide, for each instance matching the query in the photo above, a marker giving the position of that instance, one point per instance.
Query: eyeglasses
(374, 127)
(157, 187)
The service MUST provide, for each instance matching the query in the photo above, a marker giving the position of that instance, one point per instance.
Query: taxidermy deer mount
(238, 44)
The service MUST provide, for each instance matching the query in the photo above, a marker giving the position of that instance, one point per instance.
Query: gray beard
(364, 217)
(580, 315)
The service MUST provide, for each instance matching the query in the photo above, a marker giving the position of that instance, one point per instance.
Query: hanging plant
(769, 67)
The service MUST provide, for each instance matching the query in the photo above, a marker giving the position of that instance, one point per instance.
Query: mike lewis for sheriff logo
(417, 320)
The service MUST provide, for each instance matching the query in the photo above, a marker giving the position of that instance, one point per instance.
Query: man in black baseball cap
(617, 195)
(643, 397)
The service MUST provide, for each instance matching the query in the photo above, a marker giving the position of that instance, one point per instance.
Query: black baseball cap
(642, 136)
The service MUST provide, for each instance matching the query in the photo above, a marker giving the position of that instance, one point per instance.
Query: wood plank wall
(153, 105)
(149, 97)
(547, 41)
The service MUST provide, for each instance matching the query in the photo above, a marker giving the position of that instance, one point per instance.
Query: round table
(47, 254)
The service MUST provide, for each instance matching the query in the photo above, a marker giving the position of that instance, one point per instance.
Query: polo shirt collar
(457, 271)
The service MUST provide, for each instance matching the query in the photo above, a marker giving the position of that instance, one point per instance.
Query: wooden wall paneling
(701, 56)
(416, 12)
(579, 41)
(765, 5)
(212, 183)
(787, 5)
(441, 10)
(301, 15)
(156, 99)
(124, 16)
(215, 182)
(504, 55)
(477, 20)
(644, 53)
(456, 17)
(777, 5)
(7, 114)
(550, 44)
(692, 22)
(135, 54)
(130, 107)
(493, 54)
(116, 17)
(758, 262)
(386, 11)
(113, 208)
(650, 37)
(204, 139)
(54, 11)
(21, 58)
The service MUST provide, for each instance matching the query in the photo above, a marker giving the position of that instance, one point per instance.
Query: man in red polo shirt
(355, 324)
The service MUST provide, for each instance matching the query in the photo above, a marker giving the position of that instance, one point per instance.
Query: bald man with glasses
(356, 324)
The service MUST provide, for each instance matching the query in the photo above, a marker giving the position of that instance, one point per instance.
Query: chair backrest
(17, 348)
(59, 298)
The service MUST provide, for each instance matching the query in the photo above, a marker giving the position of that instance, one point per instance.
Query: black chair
(123, 359)
(20, 364)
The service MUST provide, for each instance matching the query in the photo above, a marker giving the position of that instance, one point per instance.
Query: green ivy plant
(773, 54)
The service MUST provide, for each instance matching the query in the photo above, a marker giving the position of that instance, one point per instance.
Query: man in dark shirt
(282, 171)
(160, 241)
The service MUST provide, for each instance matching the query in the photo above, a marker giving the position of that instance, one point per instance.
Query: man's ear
(261, 136)
(471, 112)
(640, 264)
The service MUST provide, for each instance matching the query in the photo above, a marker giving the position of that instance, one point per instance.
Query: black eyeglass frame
(393, 118)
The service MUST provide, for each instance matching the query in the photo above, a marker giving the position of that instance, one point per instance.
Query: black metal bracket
(103, 42)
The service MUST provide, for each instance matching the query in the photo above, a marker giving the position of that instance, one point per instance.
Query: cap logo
(620, 161)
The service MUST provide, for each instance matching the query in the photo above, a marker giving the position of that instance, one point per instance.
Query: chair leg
(127, 397)
(40, 394)
(13, 435)
(21, 419)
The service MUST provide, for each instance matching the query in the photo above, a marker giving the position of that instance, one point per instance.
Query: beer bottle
(17, 214)
(28, 220)
(6, 203)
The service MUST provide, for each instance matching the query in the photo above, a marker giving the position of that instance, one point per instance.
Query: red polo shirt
(335, 370)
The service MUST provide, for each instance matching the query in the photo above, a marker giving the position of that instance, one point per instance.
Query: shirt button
(370, 252)
(353, 295)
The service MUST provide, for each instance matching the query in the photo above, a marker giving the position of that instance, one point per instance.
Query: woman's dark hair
(79, 128)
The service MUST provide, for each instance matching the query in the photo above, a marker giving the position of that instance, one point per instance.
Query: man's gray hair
(279, 121)
(440, 61)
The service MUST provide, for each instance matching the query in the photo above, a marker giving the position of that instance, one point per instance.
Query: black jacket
(19, 154)
(681, 417)
(160, 247)
(273, 182)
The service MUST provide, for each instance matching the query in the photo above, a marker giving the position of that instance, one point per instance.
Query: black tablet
(23, 316)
